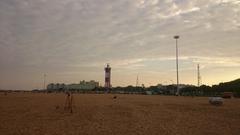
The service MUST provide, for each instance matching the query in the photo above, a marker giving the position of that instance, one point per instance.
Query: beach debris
(57, 107)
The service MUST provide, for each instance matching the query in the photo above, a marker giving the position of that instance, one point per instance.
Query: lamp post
(44, 81)
(177, 37)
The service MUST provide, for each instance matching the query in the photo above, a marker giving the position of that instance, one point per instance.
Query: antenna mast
(44, 81)
(199, 76)
(137, 81)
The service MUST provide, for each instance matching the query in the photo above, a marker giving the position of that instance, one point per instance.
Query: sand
(44, 114)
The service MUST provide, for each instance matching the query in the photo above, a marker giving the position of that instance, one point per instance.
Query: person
(69, 102)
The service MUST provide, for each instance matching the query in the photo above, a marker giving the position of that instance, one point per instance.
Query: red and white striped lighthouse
(108, 77)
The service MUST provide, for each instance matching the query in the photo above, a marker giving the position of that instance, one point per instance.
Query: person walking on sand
(69, 102)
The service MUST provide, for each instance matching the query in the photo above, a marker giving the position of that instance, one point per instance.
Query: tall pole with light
(177, 37)
(44, 81)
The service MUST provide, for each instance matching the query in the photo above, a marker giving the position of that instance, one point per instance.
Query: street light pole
(44, 81)
(177, 37)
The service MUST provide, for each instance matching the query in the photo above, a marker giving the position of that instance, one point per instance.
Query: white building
(56, 86)
(83, 85)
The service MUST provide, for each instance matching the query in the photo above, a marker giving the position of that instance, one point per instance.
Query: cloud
(72, 36)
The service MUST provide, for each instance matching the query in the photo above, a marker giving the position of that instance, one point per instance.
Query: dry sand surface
(38, 114)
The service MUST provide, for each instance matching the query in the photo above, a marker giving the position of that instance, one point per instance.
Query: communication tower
(199, 76)
(137, 81)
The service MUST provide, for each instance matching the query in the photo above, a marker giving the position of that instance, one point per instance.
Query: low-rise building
(82, 85)
(56, 86)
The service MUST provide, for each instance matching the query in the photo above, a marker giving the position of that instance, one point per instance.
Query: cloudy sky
(72, 40)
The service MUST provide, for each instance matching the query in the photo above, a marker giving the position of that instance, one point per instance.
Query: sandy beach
(100, 114)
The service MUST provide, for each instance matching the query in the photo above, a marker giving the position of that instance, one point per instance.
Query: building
(56, 86)
(82, 85)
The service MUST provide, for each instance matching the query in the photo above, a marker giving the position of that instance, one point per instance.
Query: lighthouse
(108, 77)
